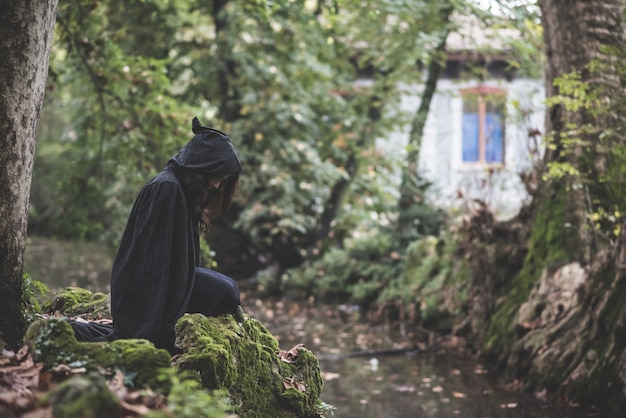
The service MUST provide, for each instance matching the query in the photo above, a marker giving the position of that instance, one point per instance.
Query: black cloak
(153, 272)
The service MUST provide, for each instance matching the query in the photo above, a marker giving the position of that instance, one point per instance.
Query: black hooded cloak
(153, 273)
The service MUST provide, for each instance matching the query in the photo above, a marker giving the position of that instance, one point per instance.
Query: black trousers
(213, 293)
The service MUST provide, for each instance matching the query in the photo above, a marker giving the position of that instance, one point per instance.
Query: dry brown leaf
(8, 357)
(290, 382)
(116, 384)
(62, 370)
(480, 370)
(138, 409)
(327, 376)
(23, 353)
(145, 397)
(290, 355)
(404, 388)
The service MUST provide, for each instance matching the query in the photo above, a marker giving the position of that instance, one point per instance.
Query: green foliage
(582, 144)
(83, 396)
(207, 255)
(424, 220)
(31, 290)
(283, 78)
(526, 49)
(117, 108)
(356, 273)
(378, 271)
(109, 113)
(434, 282)
(573, 93)
(188, 399)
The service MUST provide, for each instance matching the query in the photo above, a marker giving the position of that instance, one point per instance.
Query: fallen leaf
(404, 388)
(290, 355)
(116, 384)
(480, 370)
(542, 395)
(327, 376)
(9, 357)
(23, 353)
(134, 409)
(145, 397)
(290, 382)
(61, 370)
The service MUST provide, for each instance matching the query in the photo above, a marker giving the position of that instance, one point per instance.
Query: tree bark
(568, 341)
(226, 66)
(25, 39)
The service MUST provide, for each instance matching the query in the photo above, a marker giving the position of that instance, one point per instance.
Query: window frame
(481, 93)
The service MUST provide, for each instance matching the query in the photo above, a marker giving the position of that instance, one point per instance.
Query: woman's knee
(215, 292)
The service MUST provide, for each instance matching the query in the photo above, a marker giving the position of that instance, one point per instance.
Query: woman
(156, 276)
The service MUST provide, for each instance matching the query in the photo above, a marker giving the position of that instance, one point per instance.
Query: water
(425, 385)
(363, 383)
(59, 263)
(430, 383)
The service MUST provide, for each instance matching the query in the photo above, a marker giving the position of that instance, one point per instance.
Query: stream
(361, 378)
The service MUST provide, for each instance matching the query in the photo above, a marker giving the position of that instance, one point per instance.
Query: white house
(479, 135)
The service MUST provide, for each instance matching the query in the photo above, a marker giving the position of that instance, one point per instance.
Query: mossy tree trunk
(574, 349)
(25, 39)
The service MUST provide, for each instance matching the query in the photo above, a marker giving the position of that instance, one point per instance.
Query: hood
(209, 152)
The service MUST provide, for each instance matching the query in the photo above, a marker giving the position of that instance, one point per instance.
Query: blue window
(483, 125)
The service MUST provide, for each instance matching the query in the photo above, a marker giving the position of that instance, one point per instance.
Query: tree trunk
(25, 40)
(559, 325)
(410, 187)
(226, 66)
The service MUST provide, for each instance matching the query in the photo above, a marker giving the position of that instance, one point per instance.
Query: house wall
(454, 183)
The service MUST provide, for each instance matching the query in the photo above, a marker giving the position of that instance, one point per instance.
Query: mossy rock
(242, 358)
(76, 301)
(52, 342)
(84, 396)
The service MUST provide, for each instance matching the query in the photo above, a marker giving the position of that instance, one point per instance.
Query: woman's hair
(208, 204)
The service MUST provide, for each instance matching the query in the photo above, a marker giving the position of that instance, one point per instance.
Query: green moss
(552, 243)
(188, 399)
(75, 301)
(242, 358)
(85, 396)
(52, 342)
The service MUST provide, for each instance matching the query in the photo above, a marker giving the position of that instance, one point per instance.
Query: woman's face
(215, 183)
(214, 199)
